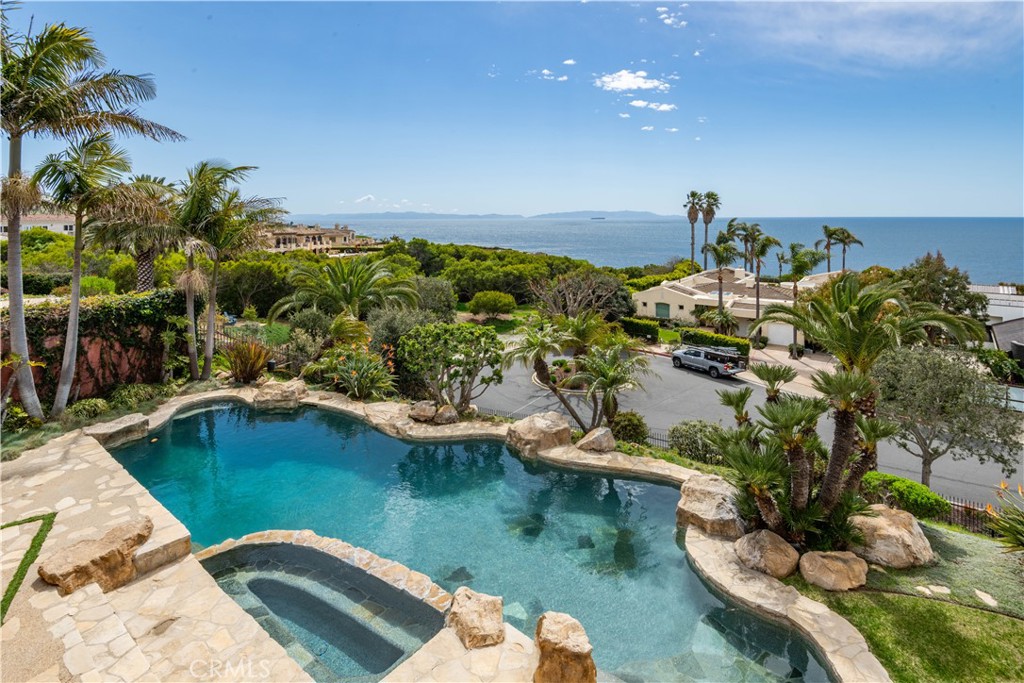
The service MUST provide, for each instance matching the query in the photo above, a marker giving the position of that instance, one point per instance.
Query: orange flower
(353, 373)
(990, 510)
(1003, 485)
(1020, 489)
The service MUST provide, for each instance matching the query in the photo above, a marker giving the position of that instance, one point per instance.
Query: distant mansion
(319, 240)
(54, 222)
(685, 298)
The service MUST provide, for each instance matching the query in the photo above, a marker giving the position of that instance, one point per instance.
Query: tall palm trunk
(211, 323)
(693, 244)
(842, 448)
(16, 291)
(757, 295)
(705, 242)
(828, 256)
(70, 360)
(145, 277)
(795, 293)
(721, 285)
(844, 258)
(800, 478)
(190, 313)
(543, 372)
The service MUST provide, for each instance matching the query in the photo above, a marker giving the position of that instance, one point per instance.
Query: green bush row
(702, 338)
(40, 284)
(635, 327)
(906, 494)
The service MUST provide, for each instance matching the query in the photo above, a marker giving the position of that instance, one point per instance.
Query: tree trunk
(769, 510)
(828, 256)
(843, 442)
(693, 243)
(70, 360)
(721, 306)
(705, 242)
(792, 354)
(926, 471)
(867, 461)
(211, 323)
(190, 313)
(757, 297)
(799, 478)
(844, 258)
(145, 278)
(16, 292)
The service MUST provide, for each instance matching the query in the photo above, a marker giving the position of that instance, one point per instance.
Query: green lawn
(504, 325)
(670, 456)
(668, 336)
(920, 640)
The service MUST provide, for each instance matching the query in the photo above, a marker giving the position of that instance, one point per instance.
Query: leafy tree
(450, 359)
(931, 280)
(584, 290)
(492, 304)
(387, 327)
(945, 406)
(52, 86)
(438, 297)
(724, 254)
(694, 204)
(254, 280)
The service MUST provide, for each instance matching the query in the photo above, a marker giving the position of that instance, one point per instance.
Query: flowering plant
(356, 370)
(1008, 521)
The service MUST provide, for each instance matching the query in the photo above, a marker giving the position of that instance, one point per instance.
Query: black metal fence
(281, 353)
(968, 514)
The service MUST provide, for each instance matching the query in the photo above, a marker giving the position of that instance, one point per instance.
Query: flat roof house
(61, 223)
(316, 239)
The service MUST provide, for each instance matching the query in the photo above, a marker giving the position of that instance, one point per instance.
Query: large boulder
(768, 553)
(706, 501)
(599, 440)
(834, 571)
(538, 433)
(892, 538)
(565, 651)
(107, 560)
(423, 411)
(119, 431)
(446, 415)
(476, 618)
(280, 395)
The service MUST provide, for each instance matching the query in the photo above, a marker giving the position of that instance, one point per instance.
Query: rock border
(413, 583)
(842, 649)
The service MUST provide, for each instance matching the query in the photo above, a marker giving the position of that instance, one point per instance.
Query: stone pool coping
(842, 648)
(413, 583)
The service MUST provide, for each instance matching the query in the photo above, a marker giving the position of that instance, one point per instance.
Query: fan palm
(773, 376)
(533, 350)
(723, 255)
(830, 237)
(609, 370)
(346, 285)
(694, 205)
(80, 180)
(712, 203)
(53, 86)
(782, 259)
(748, 233)
(858, 324)
(847, 239)
(759, 249)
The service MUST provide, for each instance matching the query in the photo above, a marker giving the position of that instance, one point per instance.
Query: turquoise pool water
(471, 513)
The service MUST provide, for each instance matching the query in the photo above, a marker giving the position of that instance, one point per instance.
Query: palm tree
(724, 321)
(748, 233)
(802, 262)
(830, 238)
(737, 400)
(712, 203)
(533, 349)
(783, 260)
(582, 331)
(792, 421)
(773, 376)
(146, 232)
(847, 239)
(759, 248)
(609, 370)
(79, 180)
(52, 86)
(858, 324)
(723, 255)
(694, 205)
(346, 286)
(845, 392)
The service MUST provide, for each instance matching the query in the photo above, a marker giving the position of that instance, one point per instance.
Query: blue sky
(792, 109)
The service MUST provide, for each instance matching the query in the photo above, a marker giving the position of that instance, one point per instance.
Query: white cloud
(569, 62)
(696, 139)
(626, 81)
(647, 128)
(661, 9)
(639, 103)
(366, 198)
(623, 116)
(656, 106)
(342, 201)
(697, 53)
(562, 78)
(670, 17)
(545, 72)
(671, 130)
(672, 77)
(702, 119)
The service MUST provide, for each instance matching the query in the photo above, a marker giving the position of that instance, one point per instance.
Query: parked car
(717, 361)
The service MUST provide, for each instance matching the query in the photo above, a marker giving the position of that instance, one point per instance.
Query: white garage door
(778, 335)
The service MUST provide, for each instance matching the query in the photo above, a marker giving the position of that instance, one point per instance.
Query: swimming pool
(471, 513)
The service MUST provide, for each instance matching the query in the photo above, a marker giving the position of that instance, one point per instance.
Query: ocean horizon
(990, 250)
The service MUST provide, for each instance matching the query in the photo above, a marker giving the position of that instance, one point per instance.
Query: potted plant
(796, 350)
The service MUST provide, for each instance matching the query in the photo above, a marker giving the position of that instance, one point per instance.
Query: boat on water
(597, 218)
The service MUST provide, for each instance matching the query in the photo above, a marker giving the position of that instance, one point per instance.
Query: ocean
(991, 250)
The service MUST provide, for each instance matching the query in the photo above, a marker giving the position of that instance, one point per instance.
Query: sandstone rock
(892, 539)
(446, 415)
(423, 411)
(600, 440)
(107, 560)
(706, 501)
(119, 431)
(565, 651)
(768, 553)
(834, 571)
(280, 395)
(223, 374)
(476, 618)
(538, 433)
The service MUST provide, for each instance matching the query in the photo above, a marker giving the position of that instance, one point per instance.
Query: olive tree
(945, 405)
(450, 359)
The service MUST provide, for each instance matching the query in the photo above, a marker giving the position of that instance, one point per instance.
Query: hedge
(635, 327)
(702, 338)
(906, 494)
(40, 284)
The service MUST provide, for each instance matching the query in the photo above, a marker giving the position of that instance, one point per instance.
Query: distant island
(328, 218)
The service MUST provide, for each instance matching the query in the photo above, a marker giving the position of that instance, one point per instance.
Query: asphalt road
(672, 396)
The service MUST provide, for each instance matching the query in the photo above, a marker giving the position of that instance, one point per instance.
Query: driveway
(672, 396)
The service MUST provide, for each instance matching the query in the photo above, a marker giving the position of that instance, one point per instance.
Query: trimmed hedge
(906, 494)
(702, 338)
(41, 284)
(630, 426)
(644, 329)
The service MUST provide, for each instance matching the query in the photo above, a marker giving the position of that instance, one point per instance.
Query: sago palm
(533, 350)
(773, 376)
(712, 203)
(844, 390)
(80, 180)
(53, 86)
(694, 204)
(723, 254)
(737, 400)
(792, 421)
(870, 431)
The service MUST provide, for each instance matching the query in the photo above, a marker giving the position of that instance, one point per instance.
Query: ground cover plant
(45, 525)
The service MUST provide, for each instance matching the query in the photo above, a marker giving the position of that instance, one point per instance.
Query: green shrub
(130, 395)
(1002, 366)
(630, 426)
(357, 371)
(758, 342)
(62, 290)
(492, 303)
(87, 408)
(247, 359)
(38, 284)
(301, 349)
(438, 297)
(95, 286)
(16, 420)
(250, 313)
(906, 494)
(702, 338)
(123, 273)
(313, 321)
(639, 328)
(695, 439)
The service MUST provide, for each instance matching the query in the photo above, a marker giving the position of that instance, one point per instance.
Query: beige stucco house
(315, 239)
(678, 299)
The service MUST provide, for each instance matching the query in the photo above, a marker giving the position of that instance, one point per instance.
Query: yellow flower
(1020, 489)
(990, 510)
(1003, 485)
